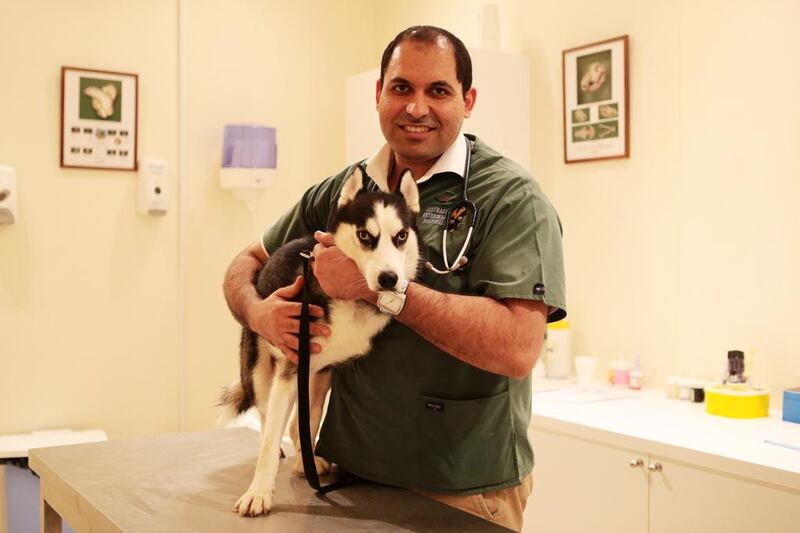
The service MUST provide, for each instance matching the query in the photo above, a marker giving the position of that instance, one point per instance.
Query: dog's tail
(230, 398)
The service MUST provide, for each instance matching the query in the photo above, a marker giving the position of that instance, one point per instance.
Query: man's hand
(337, 274)
(277, 319)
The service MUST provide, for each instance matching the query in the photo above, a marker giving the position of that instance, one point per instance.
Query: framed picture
(99, 113)
(596, 111)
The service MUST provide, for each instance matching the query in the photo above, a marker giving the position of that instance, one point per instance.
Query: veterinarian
(442, 403)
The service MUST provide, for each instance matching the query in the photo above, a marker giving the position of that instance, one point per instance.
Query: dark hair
(429, 35)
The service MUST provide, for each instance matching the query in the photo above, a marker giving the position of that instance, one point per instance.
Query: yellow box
(738, 402)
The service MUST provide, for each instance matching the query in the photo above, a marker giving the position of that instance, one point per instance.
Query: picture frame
(596, 101)
(99, 119)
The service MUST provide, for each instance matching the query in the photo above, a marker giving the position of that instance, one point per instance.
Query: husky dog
(378, 231)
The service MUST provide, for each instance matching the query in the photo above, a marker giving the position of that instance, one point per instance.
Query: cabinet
(583, 485)
(692, 498)
(579, 485)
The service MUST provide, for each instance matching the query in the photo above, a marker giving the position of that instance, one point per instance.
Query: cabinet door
(581, 486)
(691, 499)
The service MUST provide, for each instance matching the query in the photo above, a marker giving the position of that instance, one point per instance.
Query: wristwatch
(392, 302)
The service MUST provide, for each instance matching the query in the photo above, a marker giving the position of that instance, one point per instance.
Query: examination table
(188, 482)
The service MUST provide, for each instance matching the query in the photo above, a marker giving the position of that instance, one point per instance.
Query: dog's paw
(323, 466)
(253, 503)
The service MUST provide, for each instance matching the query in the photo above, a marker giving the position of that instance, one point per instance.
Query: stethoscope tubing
(461, 259)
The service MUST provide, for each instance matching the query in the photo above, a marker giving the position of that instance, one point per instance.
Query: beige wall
(690, 247)
(111, 320)
(88, 306)
(271, 63)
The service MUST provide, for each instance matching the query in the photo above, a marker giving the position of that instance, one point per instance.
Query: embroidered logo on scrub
(434, 215)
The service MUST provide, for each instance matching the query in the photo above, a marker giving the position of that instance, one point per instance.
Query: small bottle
(635, 376)
(620, 372)
(736, 366)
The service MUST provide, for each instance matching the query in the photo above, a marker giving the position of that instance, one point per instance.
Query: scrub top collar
(452, 160)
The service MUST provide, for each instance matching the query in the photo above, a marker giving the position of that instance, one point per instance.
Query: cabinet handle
(636, 464)
(654, 467)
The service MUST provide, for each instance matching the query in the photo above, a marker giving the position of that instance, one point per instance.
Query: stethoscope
(454, 217)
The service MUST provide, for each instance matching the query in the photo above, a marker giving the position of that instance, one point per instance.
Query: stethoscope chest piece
(455, 215)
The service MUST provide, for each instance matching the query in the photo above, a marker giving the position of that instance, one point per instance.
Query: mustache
(410, 121)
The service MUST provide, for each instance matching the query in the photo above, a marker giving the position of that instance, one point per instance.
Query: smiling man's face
(420, 103)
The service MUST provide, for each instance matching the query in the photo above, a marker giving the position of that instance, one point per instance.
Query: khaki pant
(503, 507)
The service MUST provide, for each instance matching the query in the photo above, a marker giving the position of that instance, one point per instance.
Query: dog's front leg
(258, 498)
(319, 386)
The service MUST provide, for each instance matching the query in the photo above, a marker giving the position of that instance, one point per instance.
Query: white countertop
(14, 446)
(648, 421)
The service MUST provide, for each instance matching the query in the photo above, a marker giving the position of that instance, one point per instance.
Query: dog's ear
(408, 188)
(352, 185)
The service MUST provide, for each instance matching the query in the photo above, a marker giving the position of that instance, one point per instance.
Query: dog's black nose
(387, 280)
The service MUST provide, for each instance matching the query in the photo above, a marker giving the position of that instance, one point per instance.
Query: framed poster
(596, 111)
(99, 113)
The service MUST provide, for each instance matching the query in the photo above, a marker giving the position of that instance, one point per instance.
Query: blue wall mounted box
(791, 405)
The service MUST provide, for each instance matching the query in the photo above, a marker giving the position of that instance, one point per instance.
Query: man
(441, 404)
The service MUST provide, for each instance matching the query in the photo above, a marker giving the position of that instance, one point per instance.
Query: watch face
(391, 302)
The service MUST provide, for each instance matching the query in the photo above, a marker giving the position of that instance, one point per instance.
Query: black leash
(303, 411)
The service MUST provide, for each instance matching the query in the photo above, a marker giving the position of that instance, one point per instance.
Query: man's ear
(378, 87)
(469, 101)
(408, 188)
(352, 185)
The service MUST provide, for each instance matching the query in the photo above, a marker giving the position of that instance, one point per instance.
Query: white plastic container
(673, 387)
(539, 370)
(558, 357)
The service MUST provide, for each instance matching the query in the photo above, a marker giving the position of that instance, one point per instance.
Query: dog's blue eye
(402, 236)
(364, 236)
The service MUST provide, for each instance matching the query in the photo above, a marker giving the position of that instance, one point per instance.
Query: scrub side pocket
(466, 444)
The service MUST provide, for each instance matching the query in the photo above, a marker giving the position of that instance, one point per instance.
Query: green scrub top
(409, 414)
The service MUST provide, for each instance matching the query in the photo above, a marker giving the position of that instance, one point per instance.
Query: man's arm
(275, 318)
(240, 291)
(499, 336)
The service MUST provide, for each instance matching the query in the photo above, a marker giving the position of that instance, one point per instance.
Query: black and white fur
(378, 231)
